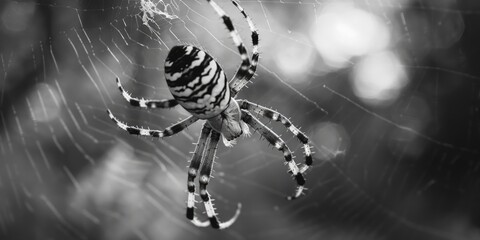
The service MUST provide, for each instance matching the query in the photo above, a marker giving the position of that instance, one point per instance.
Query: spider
(198, 84)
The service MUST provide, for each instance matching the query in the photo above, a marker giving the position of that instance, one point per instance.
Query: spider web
(387, 91)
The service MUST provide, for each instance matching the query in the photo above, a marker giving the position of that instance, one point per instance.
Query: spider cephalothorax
(199, 85)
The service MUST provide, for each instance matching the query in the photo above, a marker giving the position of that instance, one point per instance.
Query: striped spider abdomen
(196, 81)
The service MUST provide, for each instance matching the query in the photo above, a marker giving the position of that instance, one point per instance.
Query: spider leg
(245, 66)
(205, 173)
(169, 131)
(239, 81)
(192, 174)
(145, 103)
(279, 144)
(278, 117)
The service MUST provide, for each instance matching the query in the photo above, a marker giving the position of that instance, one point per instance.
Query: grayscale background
(388, 92)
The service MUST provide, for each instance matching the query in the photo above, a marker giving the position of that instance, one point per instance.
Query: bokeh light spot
(15, 16)
(294, 60)
(343, 31)
(331, 139)
(379, 78)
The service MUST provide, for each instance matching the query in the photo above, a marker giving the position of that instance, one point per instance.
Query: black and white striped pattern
(241, 78)
(169, 131)
(247, 69)
(278, 117)
(192, 174)
(279, 144)
(145, 103)
(204, 178)
(205, 173)
(242, 71)
(196, 81)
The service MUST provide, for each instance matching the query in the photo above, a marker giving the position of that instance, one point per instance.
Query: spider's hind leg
(248, 67)
(239, 80)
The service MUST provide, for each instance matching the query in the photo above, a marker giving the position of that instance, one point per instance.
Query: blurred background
(388, 92)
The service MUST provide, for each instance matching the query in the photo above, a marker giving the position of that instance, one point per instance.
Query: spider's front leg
(279, 144)
(205, 173)
(192, 174)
